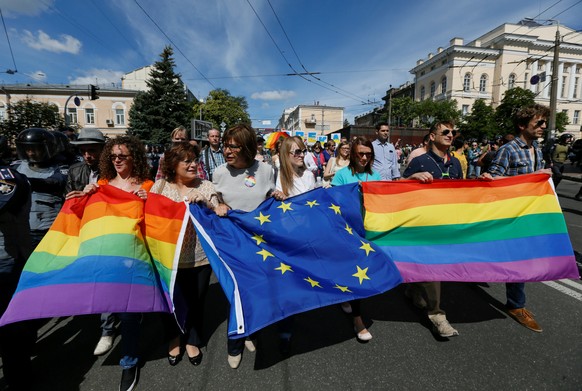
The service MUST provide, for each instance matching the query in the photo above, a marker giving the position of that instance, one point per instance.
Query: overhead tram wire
(9, 71)
(301, 75)
(299, 60)
(176, 46)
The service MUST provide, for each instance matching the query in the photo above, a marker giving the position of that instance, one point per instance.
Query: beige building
(506, 57)
(109, 113)
(312, 118)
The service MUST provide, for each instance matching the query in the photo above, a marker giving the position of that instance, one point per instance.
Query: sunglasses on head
(541, 122)
(447, 131)
(298, 152)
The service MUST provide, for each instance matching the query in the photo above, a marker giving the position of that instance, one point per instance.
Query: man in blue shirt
(437, 163)
(385, 158)
(521, 156)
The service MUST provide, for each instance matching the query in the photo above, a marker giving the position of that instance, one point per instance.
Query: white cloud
(101, 77)
(66, 43)
(273, 95)
(25, 7)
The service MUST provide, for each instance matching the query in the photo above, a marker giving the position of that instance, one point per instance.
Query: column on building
(572, 75)
(560, 75)
(549, 75)
(534, 71)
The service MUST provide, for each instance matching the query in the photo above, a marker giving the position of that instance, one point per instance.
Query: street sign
(222, 127)
(200, 129)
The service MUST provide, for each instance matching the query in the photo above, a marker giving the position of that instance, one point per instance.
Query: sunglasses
(541, 123)
(114, 157)
(298, 152)
(447, 131)
(366, 154)
(232, 147)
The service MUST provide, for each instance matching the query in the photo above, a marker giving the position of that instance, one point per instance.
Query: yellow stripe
(58, 243)
(163, 252)
(446, 214)
(108, 225)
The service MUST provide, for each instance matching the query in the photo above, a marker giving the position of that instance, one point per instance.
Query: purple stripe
(82, 299)
(540, 269)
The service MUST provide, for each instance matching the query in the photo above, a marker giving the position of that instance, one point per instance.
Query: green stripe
(118, 245)
(165, 273)
(42, 262)
(485, 231)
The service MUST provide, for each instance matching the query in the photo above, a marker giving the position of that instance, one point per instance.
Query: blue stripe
(94, 269)
(507, 250)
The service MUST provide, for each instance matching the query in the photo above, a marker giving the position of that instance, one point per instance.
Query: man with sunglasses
(521, 156)
(436, 163)
(385, 158)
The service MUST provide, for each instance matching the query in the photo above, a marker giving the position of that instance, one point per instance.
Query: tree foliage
(513, 100)
(220, 106)
(430, 111)
(164, 106)
(26, 114)
(404, 111)
(480, 122)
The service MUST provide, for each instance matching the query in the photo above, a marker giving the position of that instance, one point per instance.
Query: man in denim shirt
(521, 156)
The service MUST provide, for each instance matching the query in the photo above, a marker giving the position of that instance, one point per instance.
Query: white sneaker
(234, 361)
(442, 325)
(250, 345)
(104, 345)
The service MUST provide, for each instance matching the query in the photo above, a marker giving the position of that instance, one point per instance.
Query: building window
(563, 94)
(444, 85)
(467, 82)
(120, 116)
(432, 89)
(422, 92)
(72, 113)
(511, 81)
(576, 117)
(465, 110)
(575, 92)
(483, 83)
(577, 69)
(90, 116)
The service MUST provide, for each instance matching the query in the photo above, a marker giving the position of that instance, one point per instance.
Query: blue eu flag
(291, 256)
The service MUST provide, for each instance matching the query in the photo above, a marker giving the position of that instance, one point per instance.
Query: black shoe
(174, 360)
(129, 379)
(196, 360)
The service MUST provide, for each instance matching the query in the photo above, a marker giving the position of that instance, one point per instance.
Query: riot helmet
(36, 145)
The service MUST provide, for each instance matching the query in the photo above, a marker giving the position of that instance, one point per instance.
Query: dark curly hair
(140, 169)
(178, 153)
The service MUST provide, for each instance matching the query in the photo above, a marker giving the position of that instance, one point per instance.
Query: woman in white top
(336, 163)
(293, 178)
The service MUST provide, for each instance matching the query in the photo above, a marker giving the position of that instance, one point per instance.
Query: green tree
(561, 121)
(513, 99)
(480, 122)
(346, 123)
(26, 114)
(220, 106)
(164, 106)
(430, 111)
(404, 111)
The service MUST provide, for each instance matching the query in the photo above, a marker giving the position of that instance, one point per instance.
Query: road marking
(563, 289)
(572, 283)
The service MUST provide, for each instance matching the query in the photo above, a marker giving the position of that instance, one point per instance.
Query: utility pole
(554, 86)
(390, 108)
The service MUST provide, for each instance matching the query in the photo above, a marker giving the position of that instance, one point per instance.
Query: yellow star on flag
(336, 209)
(361, 274)
(258, 238)
(262, 218)
(284, 268)
(285, 206)
(265, 254)
(312, 203)
(347, 228)
(312, 282)
(342, 288)
(367, 247)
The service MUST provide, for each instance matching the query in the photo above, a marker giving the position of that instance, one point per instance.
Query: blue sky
(360, 46)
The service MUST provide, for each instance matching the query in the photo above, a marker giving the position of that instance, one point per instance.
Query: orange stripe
(427, 195)
(162, 206)
(160, 228)
(67, 223)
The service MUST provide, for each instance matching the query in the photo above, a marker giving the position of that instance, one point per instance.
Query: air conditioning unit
(109, 122)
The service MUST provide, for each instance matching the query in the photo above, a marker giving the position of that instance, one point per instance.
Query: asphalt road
(493, 352)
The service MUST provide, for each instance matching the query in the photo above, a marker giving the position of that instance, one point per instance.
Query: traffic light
(94, 94)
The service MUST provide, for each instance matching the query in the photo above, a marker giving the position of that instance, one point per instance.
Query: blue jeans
(515, 292)
(130, 326)
(107, 324)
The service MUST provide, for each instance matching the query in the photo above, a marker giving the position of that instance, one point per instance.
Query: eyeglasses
(232, 147)
(366, 154)
(298, 152)
(189, 162)
(541, 123)
(345, 148)
(447, 131)
(114, 157)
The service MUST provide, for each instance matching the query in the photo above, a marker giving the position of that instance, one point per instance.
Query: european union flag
(291, 256)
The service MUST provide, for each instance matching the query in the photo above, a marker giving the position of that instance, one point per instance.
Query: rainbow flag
(94, 259)
(506, 230)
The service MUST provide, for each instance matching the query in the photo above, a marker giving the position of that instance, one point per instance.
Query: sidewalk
(572, 173)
